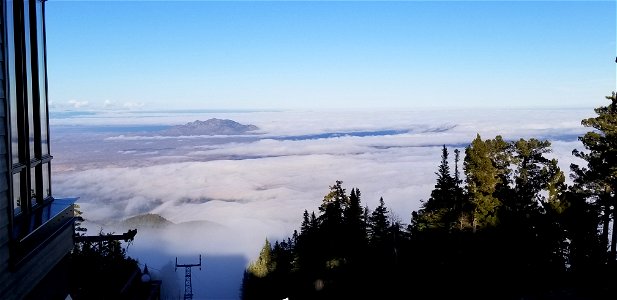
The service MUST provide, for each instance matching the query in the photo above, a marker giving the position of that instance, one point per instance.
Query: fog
(227, 194)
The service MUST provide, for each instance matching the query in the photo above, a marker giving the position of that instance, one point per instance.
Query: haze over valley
(222, 195)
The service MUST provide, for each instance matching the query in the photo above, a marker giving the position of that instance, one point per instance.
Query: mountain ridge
(212, 126)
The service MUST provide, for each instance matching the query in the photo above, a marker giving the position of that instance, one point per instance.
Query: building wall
(19, 280)
(5, 212)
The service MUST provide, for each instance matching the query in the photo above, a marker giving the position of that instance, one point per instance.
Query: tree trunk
(613, 253)
(606, 219)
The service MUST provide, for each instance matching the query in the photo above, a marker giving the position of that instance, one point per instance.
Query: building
(36, 230)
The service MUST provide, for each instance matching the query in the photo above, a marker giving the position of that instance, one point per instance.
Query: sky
(329, 55)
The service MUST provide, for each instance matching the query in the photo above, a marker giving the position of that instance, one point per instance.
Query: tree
(262, 279)
(441, 203)
(264, 263)
(598, 180)
(79, 219)
(108, 268)
(355, 226)
(482, 177)
(443, 209)
(461, 203)
(379, 224)
(332, 206)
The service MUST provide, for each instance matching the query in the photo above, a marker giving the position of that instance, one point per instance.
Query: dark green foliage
(511, 229)
(379, 225)
(79, 219)
(101, 270)
(598, 180)
(448, 207)
(483, 175)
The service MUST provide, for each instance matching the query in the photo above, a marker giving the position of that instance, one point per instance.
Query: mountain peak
(211, 126)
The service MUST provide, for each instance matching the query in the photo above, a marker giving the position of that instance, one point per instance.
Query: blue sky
(329, 55)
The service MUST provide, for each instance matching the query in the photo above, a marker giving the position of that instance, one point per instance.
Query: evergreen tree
(353, 214)
(531, 174)
(305, 227)
(256, 282)
(355, 225)
(598, 180)
(482, 177)
(332, 206)
(457, 159)
(104, 262)
(379, 224)
(439, 212)
(461, 210)
(79, 219)
(264, 263)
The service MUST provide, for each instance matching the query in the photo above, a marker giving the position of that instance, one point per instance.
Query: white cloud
(259, 188)
(133, 105)
(108, 104)
(77, 103)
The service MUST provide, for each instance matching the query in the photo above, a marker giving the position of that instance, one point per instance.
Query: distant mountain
(155, 222)
(145, 221)
(210, 127)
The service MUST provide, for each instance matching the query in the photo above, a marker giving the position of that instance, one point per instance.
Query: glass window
(33, 191)
(11, 80)
(17, 193)
(27, 100)
(42, 82)
(28, 77)
(46, 185)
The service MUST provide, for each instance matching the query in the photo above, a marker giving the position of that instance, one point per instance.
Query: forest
(503, 223)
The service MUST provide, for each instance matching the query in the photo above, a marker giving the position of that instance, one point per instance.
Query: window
(27, 104)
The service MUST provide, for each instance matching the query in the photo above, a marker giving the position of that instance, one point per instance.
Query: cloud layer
(258, 187)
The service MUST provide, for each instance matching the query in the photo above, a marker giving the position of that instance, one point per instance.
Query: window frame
(26, 92)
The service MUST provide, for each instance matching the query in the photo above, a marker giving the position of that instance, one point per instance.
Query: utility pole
(188, 287)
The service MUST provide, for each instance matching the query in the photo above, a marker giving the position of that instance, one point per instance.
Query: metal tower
(188, 288)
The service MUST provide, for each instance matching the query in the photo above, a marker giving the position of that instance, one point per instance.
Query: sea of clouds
(227, 194)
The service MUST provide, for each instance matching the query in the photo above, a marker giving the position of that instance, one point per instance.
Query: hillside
(145, 221)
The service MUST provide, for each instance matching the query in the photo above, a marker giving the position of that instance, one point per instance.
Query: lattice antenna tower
(188, 287)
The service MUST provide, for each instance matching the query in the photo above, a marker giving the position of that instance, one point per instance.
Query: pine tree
(332, 206)
(482, 177)
(598, 179)
(461, 204)
(531, 172)
(305, 227)
(438, 211)
(353, 213)
(264, 263)
(257, 281)
(379, 224)
(355, 225)
(79, 219)
(442, 195)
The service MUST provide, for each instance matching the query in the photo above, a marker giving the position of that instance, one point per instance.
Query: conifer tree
(461, 209)
(598, 179)
(457, 159)
(379, 224)
(437, 212)
(531, 172)
(305, 227)
(264, 263)
(482, 177)
(332, 206)
(355, 225)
